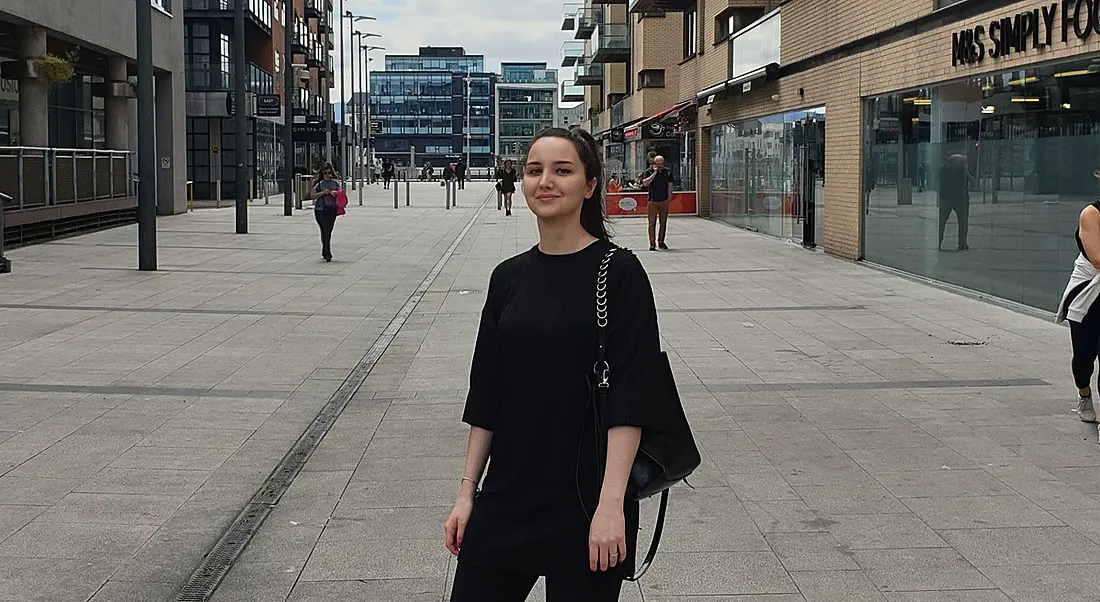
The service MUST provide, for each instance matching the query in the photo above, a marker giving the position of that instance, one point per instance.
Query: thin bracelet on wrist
(470, 480)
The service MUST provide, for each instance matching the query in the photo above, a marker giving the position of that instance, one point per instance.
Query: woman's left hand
(607, 537)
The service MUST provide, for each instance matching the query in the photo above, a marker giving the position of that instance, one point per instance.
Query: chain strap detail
(602, 370)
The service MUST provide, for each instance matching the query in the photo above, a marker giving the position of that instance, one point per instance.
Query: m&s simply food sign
(1038, 28)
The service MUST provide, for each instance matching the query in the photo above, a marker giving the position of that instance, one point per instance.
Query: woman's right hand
(455, 527)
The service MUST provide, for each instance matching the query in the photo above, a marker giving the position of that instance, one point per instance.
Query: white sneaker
(1085, 410)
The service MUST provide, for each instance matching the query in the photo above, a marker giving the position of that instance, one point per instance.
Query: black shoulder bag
(666, 455)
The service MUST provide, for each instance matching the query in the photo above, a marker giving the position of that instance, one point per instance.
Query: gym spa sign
(1028, 29)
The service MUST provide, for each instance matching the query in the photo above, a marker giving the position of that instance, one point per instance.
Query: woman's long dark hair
(593, 213)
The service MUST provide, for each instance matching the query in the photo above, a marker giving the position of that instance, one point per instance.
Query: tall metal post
(359, 113)
(288, 108)
(469, 140)
(343, 97)
(147, 144)
(354, 109)
(5, 264)
(366, 114)
(328, 77)
(240, 119)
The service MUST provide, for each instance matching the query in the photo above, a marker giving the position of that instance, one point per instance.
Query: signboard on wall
(637, 203)
(9, 90)
(269, 105)
(1038, 28)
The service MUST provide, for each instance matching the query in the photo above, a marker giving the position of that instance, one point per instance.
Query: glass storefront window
(768, 174)
(979, 182)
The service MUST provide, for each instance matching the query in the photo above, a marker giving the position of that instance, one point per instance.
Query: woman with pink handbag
(326, 192)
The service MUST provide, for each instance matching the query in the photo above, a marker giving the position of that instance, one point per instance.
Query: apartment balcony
(611, 43)
(204, 76)
(258, 12)
(571, 92)
(588, 73)
(314, 9)
(587, 20)
(659, 6)
(571, 53)
(618, 113)
(316, 57)
(569, 15)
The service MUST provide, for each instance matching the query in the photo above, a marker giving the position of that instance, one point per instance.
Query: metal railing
(44, 177)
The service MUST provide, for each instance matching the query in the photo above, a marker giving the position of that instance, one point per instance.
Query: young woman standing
(508, 178)
(544, 508)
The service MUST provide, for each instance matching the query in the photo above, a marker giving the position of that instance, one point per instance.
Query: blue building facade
(433, 107)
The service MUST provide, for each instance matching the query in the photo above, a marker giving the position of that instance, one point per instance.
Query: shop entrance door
(808, 177)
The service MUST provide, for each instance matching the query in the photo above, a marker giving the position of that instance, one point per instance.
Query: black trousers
(326, 219)
(1085, 336)
(462, 182)
(477, 584)
(961, 207)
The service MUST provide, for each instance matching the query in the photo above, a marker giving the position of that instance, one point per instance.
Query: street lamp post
(346, 15)
(469, 140)
(288, 108)
(366, 105)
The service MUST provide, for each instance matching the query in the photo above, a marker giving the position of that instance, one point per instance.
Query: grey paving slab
(124, 591)
(823, 585)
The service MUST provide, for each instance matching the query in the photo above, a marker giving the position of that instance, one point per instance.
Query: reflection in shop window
(979, 182)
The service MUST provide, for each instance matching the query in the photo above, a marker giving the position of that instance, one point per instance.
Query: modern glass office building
(433, 108)
(527, 103)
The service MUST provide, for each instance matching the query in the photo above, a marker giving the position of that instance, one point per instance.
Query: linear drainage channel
(215, 566)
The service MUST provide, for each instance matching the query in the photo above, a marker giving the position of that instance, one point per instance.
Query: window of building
(651, 78)
(691, 31)
(734, 19)
(226, 62)
(979, 182)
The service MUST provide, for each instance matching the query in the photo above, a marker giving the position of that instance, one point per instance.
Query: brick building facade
(884, 133)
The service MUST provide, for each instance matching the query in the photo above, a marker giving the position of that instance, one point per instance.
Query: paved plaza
(865, 437)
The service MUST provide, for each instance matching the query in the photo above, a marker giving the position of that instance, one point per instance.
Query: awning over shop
(659, 125)
(741, 84)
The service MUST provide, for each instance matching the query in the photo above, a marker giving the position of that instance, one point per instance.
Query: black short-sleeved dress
(528, 385)
(508, 181)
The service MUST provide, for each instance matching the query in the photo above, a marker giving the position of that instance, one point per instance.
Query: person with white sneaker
(1080, 308)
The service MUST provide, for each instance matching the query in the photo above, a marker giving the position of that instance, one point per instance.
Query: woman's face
(554, 183)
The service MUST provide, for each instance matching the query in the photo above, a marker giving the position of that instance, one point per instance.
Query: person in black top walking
(507, 179)
(657, 180)
(544, 509)
(460, 173)
(387, 173)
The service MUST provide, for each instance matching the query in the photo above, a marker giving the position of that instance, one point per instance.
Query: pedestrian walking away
(325, 189)
(387, 173)
(460, 173)
(1080, 308)
(506, 184)
(657, 180)
(545, 508)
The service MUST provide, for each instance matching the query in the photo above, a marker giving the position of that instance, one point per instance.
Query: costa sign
(1036, 28)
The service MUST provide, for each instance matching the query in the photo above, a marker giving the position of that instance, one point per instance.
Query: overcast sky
(502, 30)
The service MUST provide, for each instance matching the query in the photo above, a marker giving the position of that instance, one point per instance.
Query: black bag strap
(602, 371)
